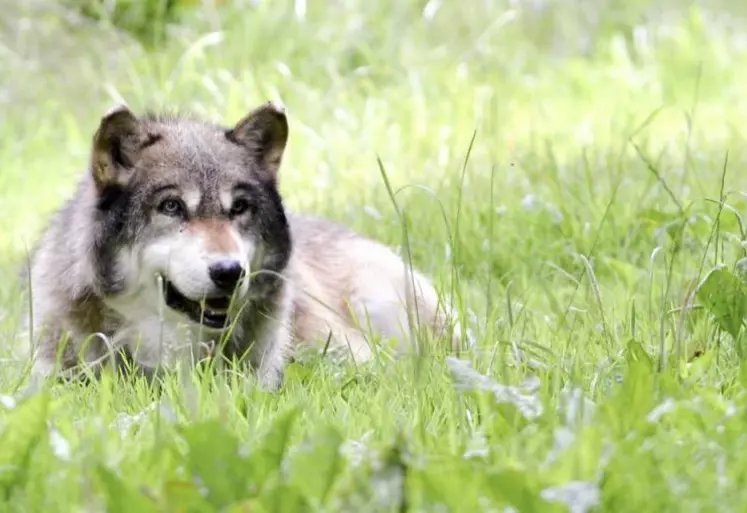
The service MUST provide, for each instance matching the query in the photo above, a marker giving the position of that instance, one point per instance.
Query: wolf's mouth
(214, 315)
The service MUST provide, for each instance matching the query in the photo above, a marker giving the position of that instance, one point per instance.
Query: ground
(574, 183)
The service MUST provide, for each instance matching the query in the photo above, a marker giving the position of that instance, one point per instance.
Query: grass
(568, 180)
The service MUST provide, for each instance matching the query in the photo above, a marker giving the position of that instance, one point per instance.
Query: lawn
(574, 182)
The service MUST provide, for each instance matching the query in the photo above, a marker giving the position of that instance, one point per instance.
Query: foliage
(571, 180)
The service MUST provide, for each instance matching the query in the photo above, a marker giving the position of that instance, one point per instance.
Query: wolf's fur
(171, 196)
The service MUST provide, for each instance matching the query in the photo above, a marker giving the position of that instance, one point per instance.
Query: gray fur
(74, 267)
(171, 196)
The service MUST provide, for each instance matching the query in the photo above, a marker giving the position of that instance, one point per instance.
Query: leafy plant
(724, 294)
(19, 435)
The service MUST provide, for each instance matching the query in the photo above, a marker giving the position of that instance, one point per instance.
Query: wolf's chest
(152, 340)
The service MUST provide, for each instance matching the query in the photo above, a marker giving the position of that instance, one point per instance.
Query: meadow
(571, 174)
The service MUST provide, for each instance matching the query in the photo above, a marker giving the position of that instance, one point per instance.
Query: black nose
(226, 273)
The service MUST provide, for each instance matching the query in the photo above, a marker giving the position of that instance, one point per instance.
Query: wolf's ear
(116, 144)
(264, 132)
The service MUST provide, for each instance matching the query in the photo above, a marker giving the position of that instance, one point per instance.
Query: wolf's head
(192, 202)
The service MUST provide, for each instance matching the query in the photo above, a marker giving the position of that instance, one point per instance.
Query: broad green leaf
(515, 487)
(725, 296)
(247, 506)
(634, 398)
(277, 498)
(23, 429)
(436, 484)
(185, 496)
(120, 497)
(266, 458)
(315, 466)
(635, 353)
(214, 460)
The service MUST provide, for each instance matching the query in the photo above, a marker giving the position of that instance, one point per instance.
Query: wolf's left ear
(116, 145)
(264, 132)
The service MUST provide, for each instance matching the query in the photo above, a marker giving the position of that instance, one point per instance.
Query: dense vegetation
(573, 181)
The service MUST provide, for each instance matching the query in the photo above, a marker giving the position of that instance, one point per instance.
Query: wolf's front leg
(269, 354)
(271, 340)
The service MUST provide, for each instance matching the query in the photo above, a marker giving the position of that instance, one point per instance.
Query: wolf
(177, 239)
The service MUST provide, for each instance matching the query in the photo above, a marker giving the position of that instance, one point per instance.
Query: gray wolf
(177, 240)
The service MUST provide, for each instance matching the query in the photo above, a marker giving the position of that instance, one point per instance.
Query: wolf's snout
(226, 274)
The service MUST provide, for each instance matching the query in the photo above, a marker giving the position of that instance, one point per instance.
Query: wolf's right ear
(264, 132)
(116, 145)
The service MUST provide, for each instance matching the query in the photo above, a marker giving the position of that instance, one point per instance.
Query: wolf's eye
(171, 207)
(240, 206)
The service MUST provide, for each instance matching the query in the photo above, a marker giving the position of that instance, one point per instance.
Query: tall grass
(570, 175)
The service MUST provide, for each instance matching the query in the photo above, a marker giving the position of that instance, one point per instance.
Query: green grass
(605, 180)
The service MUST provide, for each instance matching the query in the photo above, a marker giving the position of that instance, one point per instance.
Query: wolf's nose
(226, 273)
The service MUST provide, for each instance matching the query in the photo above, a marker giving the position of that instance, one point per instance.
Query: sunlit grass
(571, 239)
